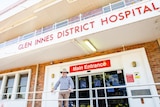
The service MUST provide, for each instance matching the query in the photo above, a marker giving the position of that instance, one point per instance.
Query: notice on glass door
(130, 78)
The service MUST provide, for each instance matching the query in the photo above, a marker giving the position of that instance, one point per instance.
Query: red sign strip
(90, 66)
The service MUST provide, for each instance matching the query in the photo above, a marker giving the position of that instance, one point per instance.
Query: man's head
(64, 71)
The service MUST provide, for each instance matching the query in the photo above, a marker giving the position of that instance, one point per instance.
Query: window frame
(20, 94)
(6, 94)
(14, 92)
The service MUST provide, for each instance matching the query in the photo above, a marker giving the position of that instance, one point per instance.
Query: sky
(5, 3)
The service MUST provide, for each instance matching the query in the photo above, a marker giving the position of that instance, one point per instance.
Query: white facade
(137, 79)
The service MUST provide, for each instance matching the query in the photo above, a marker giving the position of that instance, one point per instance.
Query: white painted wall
(122, 60)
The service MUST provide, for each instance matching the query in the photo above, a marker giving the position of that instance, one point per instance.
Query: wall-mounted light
(134, 64)
(52, 75)
(90, 45)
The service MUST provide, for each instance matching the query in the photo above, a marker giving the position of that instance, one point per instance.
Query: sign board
(105, 21)
(129, 78)
(90, 66)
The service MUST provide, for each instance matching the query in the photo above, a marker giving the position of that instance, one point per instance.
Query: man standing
(66, 86)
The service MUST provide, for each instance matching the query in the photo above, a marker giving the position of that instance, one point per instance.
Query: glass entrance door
(92, 90)
(98, 91)
(84, 92)
(115, 78)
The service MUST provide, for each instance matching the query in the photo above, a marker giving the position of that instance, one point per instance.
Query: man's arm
(56, 86)
(71, 83)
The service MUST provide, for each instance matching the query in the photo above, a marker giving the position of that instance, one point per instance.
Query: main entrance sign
(90, 66)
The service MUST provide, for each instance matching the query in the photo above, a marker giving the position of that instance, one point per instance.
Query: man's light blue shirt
(65, 83)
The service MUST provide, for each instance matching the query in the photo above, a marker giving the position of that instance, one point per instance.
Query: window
(22, 86)
(14, 85)
(8, 87)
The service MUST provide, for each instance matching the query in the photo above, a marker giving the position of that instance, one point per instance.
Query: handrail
(73, 99)
(110, 7)
(97, 88)
(155, 96)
